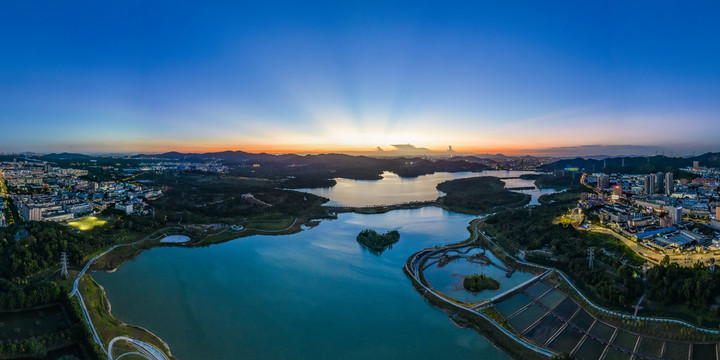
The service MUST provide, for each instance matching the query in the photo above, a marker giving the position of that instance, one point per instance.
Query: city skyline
(541, 79)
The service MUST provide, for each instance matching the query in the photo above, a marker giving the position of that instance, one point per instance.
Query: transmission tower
(591, 256)
(63, 261)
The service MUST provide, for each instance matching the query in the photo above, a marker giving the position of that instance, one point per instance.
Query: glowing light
(87, 223)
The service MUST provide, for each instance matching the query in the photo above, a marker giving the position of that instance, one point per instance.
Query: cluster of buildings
(3, 221)
(212, 166)
(657, 211)
(41, 192)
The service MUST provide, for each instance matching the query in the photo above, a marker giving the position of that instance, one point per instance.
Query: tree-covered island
(476, 283)
(377, 243)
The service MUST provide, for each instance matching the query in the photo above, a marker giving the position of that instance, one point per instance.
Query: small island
(479, 195)
(476, 283)
(377, 243)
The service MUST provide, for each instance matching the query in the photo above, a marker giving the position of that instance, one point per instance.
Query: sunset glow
(352, 77)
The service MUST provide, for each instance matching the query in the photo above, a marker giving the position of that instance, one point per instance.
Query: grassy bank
(107, 326)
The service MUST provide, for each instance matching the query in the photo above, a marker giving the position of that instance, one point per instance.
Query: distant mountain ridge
(635, 164)
(63, 156)
(333, 165)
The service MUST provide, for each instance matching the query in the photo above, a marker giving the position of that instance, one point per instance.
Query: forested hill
(635, 165)
(335, 165)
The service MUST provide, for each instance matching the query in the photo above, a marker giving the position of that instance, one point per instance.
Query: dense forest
(552, 181)
(694, 287)
(26, 249)
(15, 296)
(192, 198)
(479, 195)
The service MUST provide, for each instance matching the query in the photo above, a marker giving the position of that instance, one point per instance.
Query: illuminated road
(649, 254)
(645, 253)
(143, 349)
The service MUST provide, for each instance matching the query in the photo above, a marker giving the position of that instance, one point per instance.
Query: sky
(515, 77)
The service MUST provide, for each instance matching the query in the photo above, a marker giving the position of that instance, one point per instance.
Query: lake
(312, 295)
(448, 278)
(393, 189)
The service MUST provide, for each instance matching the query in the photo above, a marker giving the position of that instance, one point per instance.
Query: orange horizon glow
(310, 149)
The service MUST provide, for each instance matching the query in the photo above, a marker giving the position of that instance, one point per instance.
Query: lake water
(448, 279)
(392, 189)
(313, 295)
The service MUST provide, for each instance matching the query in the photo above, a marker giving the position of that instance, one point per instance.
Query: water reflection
(312, 295)
(392, 189)
(447, 274)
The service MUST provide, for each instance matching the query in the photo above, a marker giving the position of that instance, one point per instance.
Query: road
(143, 349)
(648, 254)
(640, 250)
(412, 268)
(654, 256)
(281, 230)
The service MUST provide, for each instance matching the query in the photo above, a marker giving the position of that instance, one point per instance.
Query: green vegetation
(612, 282)
(208, 199)
(552, 181)
(635, 165)
(33, 331)
(690, 293)
(378, 243)
(107, 326)
(476, 283)
(680, 174)
(34, 247)
(479, 195)
(15, 296)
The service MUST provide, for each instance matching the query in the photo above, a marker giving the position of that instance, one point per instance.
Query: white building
(127, 208)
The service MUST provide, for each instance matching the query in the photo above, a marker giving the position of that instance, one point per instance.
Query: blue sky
(135, 76)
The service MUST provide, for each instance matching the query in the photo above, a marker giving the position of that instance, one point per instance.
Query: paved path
(142, 348)
(413, 268)
(414, 271)
(281, 230)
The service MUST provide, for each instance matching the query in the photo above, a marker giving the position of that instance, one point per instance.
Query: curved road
(414, 271)
(144, 349)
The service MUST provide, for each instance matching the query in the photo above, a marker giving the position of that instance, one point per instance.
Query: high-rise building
(30, 214)
(648, 184)
(603, 181)
(617, 190)
(696, 164)
(676, 215)
(669, 183)
(659, 182)
(717, 212)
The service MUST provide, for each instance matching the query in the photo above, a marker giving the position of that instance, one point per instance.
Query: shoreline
(166, 348)
(479, 315)
(296, 226)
